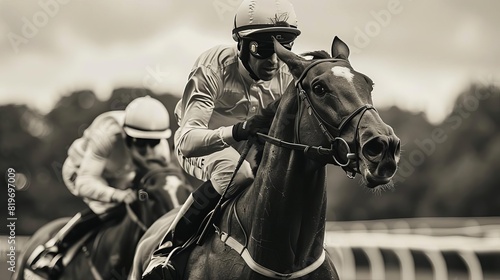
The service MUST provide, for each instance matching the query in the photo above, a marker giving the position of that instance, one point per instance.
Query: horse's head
(336, 111)
(160, 189)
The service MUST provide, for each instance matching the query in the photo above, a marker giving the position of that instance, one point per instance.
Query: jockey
(100, 168)
(223, 103)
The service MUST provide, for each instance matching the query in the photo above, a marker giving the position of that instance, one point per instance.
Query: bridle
(320, 150)
(334, 139)
(142, 196)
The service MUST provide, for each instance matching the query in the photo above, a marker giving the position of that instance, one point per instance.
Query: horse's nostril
(374, 147)
(388, 169)
(398, 149)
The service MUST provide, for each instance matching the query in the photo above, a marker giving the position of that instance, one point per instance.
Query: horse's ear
(339, 49)
(295, 63)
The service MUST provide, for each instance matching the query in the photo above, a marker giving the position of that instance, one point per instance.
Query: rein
(320, 150)
(134, 218)
(151, 173)
(142, 195)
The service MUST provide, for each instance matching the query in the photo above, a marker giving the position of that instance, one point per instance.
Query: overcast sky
(420, 54)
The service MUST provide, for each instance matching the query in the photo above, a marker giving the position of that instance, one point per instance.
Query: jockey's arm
(89, 182)
(196, 139)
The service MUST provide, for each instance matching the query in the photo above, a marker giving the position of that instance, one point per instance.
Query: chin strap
(244, 55)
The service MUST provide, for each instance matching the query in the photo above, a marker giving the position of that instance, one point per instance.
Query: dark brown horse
(108, 253)
(276, 228)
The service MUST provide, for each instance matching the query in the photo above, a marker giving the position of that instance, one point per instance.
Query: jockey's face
(143, 147)
(146, 151)
(263, 60)
(265, 68)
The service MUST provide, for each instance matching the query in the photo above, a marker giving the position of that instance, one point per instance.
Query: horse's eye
(319, 89)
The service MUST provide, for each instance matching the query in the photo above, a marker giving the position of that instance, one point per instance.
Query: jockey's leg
(191, 214)
(220, 166)
(49, 260)
(49, 257)
(195, 208)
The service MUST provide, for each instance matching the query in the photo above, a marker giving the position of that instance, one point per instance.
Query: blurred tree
(465, 170)
(446, 170)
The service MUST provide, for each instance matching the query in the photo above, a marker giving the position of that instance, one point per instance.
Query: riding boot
(188, 219)
(190, 216)
(48, 260)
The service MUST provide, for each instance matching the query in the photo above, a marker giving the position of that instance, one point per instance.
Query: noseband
(333, 139)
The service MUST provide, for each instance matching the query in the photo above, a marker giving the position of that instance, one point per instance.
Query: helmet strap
(244, 55)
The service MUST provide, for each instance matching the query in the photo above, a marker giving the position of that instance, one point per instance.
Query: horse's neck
(126, 234)
(288, 200)
(133, 229)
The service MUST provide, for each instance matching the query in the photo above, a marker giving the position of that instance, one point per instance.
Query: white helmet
(147, 118)
(265, 18)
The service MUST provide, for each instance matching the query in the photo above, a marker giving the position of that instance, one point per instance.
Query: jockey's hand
(250, 127)
(126, 196)
(258, 123)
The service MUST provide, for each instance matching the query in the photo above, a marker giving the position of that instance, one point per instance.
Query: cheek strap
(244, 56)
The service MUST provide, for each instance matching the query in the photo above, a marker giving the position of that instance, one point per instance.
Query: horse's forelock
(317, 54)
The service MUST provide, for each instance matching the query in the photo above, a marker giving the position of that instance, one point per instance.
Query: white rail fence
(431, 237)
(467, 238)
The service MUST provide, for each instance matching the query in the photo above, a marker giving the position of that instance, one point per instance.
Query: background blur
(436, 66)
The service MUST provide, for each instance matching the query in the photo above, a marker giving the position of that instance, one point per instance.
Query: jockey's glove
(258, 123)
(124, 196)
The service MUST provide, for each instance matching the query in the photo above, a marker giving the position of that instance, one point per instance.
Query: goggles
(263, 50)
(142, 142)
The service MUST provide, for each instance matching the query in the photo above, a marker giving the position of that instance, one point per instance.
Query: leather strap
(252, 264)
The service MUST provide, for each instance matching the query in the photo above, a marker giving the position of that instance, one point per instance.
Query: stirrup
(168, 248)
(166, 245)
(48, 268)
(41, 253)
(35, 255)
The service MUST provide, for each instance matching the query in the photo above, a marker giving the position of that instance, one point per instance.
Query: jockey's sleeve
(196, 139)
(89, 182)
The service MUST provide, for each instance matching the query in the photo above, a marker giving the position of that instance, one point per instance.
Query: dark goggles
(142, 142)
(263, 50)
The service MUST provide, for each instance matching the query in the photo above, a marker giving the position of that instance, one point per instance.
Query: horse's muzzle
(381, 155)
